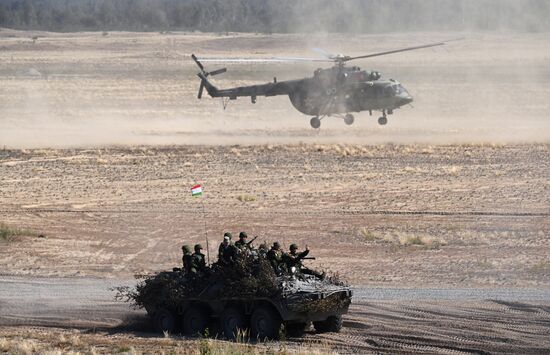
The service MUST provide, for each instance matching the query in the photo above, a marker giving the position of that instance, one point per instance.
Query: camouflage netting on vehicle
(245, 278)
(333, 302)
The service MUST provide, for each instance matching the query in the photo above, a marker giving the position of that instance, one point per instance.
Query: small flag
(196, 190)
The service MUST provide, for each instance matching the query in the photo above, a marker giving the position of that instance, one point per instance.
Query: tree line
(280, 16)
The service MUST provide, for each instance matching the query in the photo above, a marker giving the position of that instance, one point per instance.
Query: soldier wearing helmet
(242, 243)
(263, 250)
(294, 258)
(275, 257)
(198, 263)
(227, 251)
(186, 258)
(228, 236)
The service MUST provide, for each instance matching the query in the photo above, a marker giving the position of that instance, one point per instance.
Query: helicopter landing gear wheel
(348, 119)
(383, 120)
(315, 122)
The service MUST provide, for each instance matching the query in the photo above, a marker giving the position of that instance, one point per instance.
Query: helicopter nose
(405, 99)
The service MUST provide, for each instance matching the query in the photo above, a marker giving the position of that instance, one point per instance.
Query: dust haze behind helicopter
(491, 87)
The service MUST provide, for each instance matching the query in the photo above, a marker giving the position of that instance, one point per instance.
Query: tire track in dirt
(393, 321)
(292, 212)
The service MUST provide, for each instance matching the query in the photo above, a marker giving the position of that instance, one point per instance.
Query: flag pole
(205, 231)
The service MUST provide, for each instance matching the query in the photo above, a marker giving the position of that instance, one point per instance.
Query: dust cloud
(85, 89)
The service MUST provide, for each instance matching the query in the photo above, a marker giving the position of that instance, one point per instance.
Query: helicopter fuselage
(335, 90)
(342, 90)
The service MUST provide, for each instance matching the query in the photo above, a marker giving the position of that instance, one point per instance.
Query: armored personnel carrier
(244, 298)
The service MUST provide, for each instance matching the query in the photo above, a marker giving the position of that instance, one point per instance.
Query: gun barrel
(308, 258)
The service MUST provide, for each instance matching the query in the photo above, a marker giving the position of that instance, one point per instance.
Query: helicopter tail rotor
(212, 90)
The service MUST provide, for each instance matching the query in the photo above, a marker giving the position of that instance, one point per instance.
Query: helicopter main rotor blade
(401, 50)
(264, 60)
(323, 53)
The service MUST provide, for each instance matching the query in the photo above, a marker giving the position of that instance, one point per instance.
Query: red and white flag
(196, 190)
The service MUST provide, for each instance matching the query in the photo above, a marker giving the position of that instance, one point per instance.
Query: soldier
(293, 258)
(186, 259)
(227, 252)
(198, 261)
(241, 243)
(275, 257)
(229, 236)
(263, 250)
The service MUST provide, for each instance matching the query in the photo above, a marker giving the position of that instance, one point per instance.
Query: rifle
(250, 242)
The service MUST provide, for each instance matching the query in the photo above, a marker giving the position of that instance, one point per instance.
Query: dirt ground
(116, 212)
(87, 89)
(380, 215)
(103, 137)
(393, 327)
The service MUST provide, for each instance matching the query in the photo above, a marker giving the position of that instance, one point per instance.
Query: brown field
(116, 212)
(103, 137)
(86, 89)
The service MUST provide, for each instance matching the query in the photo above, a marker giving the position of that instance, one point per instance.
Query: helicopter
(336, 91)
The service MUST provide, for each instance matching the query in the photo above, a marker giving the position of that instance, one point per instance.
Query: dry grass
(47, 341)
(246, 198)
(8, 233)
(484, 263)
(367, 235)
(425, 242)
(542, 268)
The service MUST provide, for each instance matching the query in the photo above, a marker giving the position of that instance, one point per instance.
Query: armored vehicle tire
(265, 323)
(195, 321)
(164, 321)
(295, 329)
(231, 321)
(331, 324)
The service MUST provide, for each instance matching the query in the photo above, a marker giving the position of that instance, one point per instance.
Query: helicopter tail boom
(211, 89)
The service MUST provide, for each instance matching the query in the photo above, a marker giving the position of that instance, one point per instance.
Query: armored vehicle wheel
(382, 120)
(195, 321)
(295, 329)
(165, 321)
(265, 323)
(331, 324)
(315, 122)
(348, 119)
(231, 321)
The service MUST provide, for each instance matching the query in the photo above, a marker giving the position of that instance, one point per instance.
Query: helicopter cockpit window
(398, 89)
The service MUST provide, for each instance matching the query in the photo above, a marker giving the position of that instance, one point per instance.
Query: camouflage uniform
(186, 259)
(198, 261)
(293, 258)
(241, 244)
(229, 236)
(263, 250)
(227, 252)
(275, 257)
